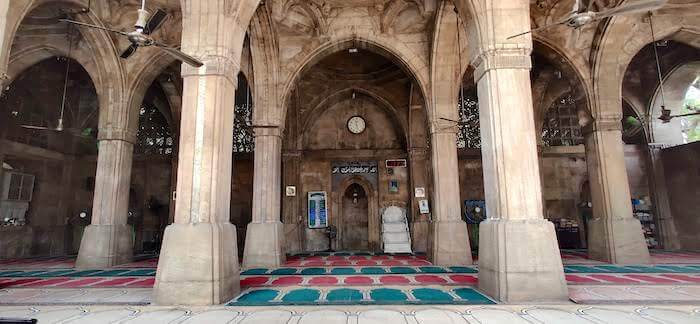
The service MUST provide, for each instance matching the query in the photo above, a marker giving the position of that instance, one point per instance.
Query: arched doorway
(355, 129)
(354, 219)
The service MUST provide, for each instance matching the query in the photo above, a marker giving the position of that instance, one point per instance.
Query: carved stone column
(668, 236)
(519, 258)
(199, 260)
(419, 165)
(292, 219)
(614, 235)
(264, 240)
(449, 243)
(5, 42)
(108, 240)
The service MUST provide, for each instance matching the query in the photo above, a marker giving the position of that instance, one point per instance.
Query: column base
(618, 241)
(104, 246)
(450, 243)
(198, 265)
(519, 261)
(264, 245)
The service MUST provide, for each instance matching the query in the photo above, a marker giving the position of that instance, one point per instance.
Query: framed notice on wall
(317, 211)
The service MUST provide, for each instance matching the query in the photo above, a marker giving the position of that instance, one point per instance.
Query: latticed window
(561, 126)
(468, 134)
(243, 134)
(154, 136)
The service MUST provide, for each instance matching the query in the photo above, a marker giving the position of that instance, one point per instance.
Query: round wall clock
(356, 125)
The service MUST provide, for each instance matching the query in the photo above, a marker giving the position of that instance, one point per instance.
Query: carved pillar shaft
(199, 261)
(614, 235)
(264, 241)
(668, 236)
(292, 219)
(267, 179)
(5, 42)
(449, 244)
(519, 258)
(108, 241)
(419, 165)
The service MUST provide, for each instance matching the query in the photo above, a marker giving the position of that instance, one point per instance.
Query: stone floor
(511, 314)
(355, 288)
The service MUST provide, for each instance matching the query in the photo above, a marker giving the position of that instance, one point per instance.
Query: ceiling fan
(666, 113)
(145, 25)
(59, 126)
(580, 16)
(78, 132)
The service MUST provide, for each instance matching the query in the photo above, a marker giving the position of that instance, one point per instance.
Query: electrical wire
(65, 80)
(658, 62)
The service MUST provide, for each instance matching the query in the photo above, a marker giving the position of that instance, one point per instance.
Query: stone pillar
(519, 258)
(292, 219)
(5, 42)
(418, 163)
(199, 260)
(264, 240)
(666, 227)
(449, 243)
(108, 240)
(614, 235)
(2, 162)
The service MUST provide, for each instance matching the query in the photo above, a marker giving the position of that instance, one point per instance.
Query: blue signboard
(317, 210)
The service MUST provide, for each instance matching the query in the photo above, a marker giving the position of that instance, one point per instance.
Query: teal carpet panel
(433, 295)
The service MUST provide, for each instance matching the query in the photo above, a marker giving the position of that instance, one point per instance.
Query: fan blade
(573, 38)
(632, 8)
(540, 28)
(180, 55)
(37, 127)
(94, 26)
(577, 7)
(155, 22)
(129, 51)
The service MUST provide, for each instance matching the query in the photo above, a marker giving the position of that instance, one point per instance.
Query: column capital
(291, 154)
(214, 65)
(443, 126)
(604, 122)
(418, 152)
(261, 130)
(116, 134)
(503, 56)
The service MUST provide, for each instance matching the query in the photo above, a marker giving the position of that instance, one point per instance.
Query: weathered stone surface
(198, 265)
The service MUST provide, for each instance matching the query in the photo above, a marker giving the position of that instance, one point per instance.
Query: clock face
(356, 125)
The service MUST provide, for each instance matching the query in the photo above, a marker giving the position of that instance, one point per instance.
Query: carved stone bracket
(418, 153)
(214, 65)
(502, 58)
(267, 131)
(604, 122)
(116, 134)
(442, 126)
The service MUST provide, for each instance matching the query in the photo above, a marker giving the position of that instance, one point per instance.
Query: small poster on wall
(317, 211)
(394, 186)
(291, 191)
(420, 192)
(423, 206)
